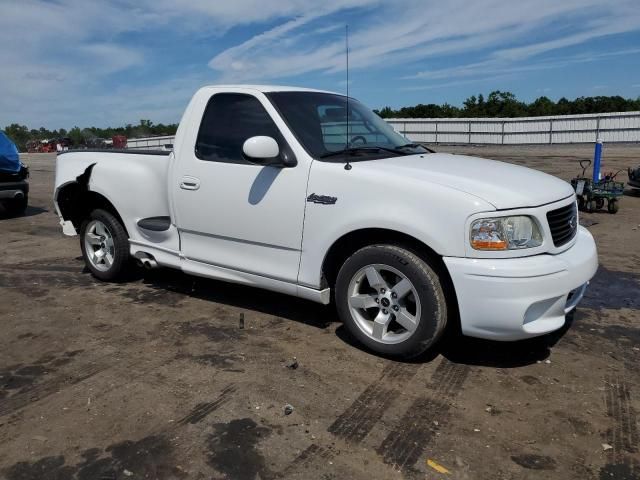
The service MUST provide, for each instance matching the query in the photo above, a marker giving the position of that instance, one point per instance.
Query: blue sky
(111, 62)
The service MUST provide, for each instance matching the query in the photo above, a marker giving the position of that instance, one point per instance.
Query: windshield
(319, 122)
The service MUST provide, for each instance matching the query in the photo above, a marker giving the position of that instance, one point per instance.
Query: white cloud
(60, 58)
(411, 30)
(498, 65)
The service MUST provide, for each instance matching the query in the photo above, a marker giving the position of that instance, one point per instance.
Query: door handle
(189, 183)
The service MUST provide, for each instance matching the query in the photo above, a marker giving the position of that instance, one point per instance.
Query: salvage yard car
(14, 188)
(311, 194)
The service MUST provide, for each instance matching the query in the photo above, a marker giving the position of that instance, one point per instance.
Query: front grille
(563, 223)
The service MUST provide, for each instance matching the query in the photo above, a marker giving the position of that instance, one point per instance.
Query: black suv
(14, 191)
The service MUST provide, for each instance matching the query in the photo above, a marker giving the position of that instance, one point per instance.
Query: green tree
(386, 112)
(19, 134)
(75, 134)
(541, 106)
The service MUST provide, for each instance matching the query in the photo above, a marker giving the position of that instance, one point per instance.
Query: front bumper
(517, 298)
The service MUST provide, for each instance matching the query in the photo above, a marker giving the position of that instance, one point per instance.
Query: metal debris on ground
(288, 409)
(293, 364)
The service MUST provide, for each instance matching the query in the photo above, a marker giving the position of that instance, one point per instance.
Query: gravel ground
(153, 378)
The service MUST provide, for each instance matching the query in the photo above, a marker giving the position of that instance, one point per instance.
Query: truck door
(229, 212)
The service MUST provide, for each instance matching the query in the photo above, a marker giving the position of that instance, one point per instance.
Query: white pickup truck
(309, 193)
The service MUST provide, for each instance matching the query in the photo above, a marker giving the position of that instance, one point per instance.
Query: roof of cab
(271, 88)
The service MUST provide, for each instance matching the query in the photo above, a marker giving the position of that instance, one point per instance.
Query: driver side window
(228, 121)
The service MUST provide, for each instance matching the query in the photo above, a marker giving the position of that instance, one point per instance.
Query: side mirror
(262, 150)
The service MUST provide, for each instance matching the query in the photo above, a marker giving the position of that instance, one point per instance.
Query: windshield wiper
(415, 145)
(354, 150)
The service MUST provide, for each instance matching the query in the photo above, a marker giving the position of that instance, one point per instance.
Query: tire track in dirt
(42, 390)
(75, 375)
(355, 423)
(306, 458)
(153, 456)
(202, 410)
(404, 445)
(623, 462)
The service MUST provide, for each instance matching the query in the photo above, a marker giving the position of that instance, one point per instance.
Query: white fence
(611, 127)
(151, 143)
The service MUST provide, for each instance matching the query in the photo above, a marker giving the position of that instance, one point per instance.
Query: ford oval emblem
(572, 221)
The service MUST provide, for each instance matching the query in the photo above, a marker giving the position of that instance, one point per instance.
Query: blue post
(596, 160)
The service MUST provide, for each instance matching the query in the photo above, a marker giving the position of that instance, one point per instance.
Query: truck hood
(501, 184)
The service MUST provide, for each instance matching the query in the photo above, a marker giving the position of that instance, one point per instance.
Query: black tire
(580, 202)
(599, 203)
(428, 286)
(613, 206)
(17, 206)
(121, 257)
(590, 206)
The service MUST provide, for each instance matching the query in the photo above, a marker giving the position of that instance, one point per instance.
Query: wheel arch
(75, 202)
(351, 242)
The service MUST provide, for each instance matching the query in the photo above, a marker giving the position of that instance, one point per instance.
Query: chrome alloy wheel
(99, 246)
(384, 303)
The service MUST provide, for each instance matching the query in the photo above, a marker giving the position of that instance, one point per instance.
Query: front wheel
(105, 245)
(391, 300)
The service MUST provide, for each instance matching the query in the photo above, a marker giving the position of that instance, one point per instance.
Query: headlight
(505, 233)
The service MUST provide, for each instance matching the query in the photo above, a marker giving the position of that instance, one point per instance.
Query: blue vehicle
(14, 188)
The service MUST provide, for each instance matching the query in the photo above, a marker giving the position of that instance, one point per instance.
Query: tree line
(497, 104)
(505, 104)
(21, 135)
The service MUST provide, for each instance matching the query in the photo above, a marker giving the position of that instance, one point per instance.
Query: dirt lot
(154, 378)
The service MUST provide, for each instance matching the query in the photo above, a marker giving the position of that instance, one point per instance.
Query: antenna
(348, 139)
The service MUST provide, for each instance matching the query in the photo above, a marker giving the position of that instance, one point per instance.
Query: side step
(155, 224)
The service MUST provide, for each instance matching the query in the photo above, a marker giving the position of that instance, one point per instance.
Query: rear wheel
(391, 300)
(599, 203)
(613, 206)
(105, 245)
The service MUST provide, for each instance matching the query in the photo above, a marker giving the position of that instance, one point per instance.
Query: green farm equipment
(592, 195)
(634, 177)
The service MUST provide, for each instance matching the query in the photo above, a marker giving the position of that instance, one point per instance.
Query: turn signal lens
(505, 233)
